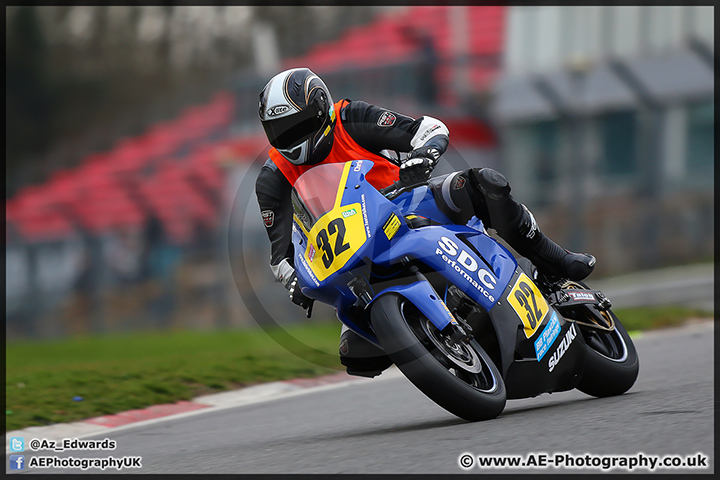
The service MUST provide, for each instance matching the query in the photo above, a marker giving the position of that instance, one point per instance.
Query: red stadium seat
(96, 193)
(43, 225)
(388, 40)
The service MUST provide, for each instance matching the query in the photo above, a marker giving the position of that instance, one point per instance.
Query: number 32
(322, 240)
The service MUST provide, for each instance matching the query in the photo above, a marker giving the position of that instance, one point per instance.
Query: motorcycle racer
(305, 128)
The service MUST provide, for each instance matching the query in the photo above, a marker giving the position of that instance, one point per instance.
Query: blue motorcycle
(464, 321)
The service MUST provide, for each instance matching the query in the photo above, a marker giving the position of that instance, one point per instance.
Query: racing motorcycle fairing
(540, 350)
(344, 230)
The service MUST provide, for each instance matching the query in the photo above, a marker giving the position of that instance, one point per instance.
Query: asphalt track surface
(385, 425)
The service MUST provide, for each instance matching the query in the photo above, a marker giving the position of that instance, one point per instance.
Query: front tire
(460, 377)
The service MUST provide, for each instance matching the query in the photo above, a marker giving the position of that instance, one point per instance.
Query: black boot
(514, 222)
(549, 257)
(360, 357)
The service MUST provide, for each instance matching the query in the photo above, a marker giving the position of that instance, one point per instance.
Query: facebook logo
(17, 444)
(17, 462)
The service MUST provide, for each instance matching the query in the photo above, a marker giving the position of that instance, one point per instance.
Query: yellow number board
(528, 303)
(335, 237)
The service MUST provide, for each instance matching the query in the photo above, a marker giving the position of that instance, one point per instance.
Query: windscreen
(315, 192)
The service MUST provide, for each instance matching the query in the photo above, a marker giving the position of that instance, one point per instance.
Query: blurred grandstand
(136, 236)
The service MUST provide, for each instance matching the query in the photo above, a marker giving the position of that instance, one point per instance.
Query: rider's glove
(296, 295)
(418, 165)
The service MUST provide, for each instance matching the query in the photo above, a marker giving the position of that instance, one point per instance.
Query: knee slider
(491, 183)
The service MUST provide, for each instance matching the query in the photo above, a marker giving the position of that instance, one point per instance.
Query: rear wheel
(458, 376)
(612, 363)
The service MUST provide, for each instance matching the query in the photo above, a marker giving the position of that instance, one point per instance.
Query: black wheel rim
(608, 344)
(460, 359)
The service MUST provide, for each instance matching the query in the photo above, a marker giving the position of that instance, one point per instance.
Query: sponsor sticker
(452, 317)
(547, 337)
(463, 262)
(349, 213)
(312, 276)
(580, 296)
(391, 226)
(562, 348)
(311, 253)
(365, 217)
(387, 119)
(344, 347)
(268, 217)
(277, 110)
(459, 182)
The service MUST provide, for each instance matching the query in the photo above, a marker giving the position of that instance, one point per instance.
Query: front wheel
(458, 376)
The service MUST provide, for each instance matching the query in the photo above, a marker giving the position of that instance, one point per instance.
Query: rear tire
(612, 364)
(460, 377)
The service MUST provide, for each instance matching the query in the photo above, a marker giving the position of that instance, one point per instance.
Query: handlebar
(394, 186)
(392, 191)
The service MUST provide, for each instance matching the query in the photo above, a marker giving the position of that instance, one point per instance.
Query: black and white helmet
(297, 113)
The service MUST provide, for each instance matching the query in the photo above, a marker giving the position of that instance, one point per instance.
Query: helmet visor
(287, 132)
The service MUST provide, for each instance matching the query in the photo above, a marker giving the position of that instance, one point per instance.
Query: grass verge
(117, 373)
(647, 318)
